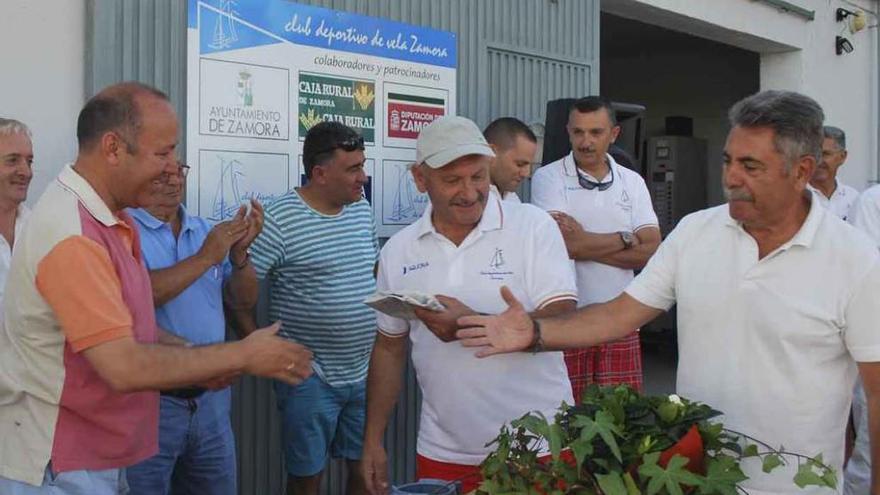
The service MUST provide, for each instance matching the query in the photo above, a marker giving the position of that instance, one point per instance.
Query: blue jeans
(104, 482)
(196, 449)
(318, 421)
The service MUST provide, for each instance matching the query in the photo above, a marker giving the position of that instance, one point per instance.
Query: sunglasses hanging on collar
(589, 184)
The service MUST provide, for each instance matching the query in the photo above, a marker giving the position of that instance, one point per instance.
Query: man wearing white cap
(464, 248)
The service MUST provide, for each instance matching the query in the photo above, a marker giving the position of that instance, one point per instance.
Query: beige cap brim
(443, 158)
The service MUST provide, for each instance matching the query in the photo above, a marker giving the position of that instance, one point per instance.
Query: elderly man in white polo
(466, 245)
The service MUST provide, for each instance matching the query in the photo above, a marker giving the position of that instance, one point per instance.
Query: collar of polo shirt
(806, 234)
(492, 218)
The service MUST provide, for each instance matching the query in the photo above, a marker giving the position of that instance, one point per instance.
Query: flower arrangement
(620, 442)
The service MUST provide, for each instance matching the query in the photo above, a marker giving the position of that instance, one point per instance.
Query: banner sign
(262, 73)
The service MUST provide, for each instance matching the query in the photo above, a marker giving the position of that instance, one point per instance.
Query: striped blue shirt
(320, 270)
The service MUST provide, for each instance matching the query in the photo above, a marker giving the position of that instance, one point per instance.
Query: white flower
(676, 400)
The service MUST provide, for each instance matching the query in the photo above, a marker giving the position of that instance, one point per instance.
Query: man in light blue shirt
(195, 268)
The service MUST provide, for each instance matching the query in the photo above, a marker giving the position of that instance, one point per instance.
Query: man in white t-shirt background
(865, 216)
(465, 247)
(833, 194)
(514, 145)
(605, 214)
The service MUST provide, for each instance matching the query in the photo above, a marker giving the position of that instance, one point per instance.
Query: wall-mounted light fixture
(857, 20)
(842, 45)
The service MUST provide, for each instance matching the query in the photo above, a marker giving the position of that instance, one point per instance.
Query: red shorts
(614, 363)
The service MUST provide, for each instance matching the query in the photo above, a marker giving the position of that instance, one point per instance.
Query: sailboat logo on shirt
(497, 260)
(625, 202)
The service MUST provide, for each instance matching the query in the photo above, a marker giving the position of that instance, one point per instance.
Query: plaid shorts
(614, 363)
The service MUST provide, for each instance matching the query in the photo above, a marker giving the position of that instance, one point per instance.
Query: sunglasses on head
(591, 184)
(350, 143)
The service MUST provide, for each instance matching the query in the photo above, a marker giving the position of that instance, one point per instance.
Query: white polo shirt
(841, 200)
(466, 400)
(865, 216)
(773, 343)
(625, 206)
(865, 213)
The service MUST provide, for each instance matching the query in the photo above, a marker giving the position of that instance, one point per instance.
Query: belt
(184, 393)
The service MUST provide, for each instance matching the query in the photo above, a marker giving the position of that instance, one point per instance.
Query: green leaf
(751, 450)
(533, 423)
(555, 439)
(581, 449)
(771, 462)
(612, 484)
(670, 478)
(604, 426)
(631, 487)
(830, 478)
(723, 474)
(807, 477)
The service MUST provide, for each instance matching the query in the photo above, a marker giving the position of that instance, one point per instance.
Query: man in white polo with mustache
(610, 229)
(465, 247)
(777, 299)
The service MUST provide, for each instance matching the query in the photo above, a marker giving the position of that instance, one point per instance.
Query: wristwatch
(628, 238)
(537, 339)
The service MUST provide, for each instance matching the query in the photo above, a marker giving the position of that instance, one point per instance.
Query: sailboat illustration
(497, 260)
(227, 197)
(224, 28)
(408, 203)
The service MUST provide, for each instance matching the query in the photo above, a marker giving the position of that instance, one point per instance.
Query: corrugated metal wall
(514, 55)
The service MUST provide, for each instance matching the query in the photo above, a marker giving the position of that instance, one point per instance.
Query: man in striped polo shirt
(318, 249)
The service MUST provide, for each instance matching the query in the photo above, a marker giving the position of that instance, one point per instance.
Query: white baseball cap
(448, 138)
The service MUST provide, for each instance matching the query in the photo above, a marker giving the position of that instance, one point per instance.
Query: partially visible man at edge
(82, 355)
(16, 162)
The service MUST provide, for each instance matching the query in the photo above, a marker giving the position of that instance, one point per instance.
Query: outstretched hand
(511, 331)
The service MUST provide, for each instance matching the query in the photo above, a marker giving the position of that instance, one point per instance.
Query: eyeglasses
(591, 184)
(182, 172)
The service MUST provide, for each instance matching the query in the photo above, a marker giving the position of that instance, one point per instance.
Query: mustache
(481, 198)
(738, 195)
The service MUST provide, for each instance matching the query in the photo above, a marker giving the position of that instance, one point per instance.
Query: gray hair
(8, 127)
(796, 121)
(837, 134)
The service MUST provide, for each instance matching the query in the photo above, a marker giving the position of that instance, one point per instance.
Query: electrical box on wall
(676, 177)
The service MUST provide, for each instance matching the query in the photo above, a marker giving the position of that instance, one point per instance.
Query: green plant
(620, 442)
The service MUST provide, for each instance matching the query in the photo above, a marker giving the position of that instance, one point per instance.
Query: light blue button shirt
(196, 314)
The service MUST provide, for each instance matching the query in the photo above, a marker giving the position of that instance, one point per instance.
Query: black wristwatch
(628, 238)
